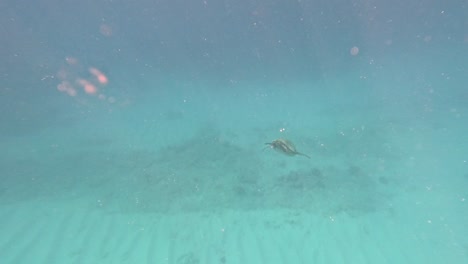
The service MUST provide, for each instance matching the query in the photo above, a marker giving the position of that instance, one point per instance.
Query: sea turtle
(285, 146)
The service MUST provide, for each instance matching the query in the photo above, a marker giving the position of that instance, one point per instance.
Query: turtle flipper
(302, 154)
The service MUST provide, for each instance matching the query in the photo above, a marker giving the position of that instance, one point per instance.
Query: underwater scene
(225, 132)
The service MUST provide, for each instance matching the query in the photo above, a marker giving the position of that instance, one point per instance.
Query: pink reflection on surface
(66, 87)
(354, 51)
(102, 79)
(88, 87)
(76, 83)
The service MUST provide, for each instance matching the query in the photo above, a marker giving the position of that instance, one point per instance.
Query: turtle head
(268, 145)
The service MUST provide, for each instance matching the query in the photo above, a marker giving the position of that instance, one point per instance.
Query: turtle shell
(285, 146)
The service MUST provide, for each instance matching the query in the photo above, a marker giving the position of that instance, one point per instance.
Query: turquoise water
(135, 133)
